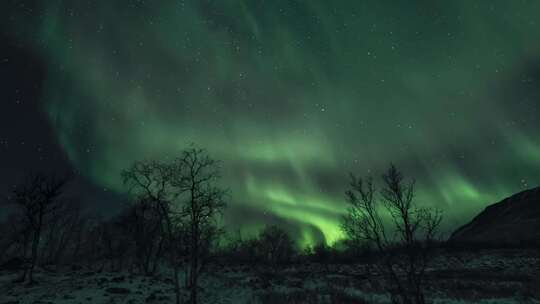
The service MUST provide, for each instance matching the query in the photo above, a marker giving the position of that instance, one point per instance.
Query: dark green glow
(293, 95)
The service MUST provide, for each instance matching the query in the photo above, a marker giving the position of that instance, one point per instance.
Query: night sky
(291, 96)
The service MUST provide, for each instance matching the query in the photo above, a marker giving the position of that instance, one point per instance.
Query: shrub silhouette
(275, 246)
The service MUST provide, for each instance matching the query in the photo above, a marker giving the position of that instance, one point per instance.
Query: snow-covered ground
(489, 277)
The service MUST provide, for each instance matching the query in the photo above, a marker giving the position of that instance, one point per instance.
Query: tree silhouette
(36, 198)
(405, 256)
(203, 199)
(152, 184)
(275, 245)
(61, 229)
(141, 224)
(185, 196)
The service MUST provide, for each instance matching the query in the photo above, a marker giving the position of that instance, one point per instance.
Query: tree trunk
(194, 279)
(174, 249)
(33, 259)
(35, 245)
(194, 247)
(24, 254)
(176, 284)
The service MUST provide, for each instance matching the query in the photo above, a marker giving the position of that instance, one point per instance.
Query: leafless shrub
(275, 246)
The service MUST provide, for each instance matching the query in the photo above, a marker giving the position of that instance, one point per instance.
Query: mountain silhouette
(514, 220)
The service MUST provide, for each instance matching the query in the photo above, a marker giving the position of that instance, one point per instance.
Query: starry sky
(291, 96)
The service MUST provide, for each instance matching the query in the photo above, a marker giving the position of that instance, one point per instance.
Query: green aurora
(291, 96)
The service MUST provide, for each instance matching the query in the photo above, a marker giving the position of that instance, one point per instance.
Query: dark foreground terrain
(486, 276)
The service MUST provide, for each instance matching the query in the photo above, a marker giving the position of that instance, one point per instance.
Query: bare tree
(275, 245)
(79, 231)
(15, 239)
(184, 195)
(36, 198)
(90, 246)
(202, 201)
(152, 183)
(405, 253)
(59, 234)
(141, 224)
